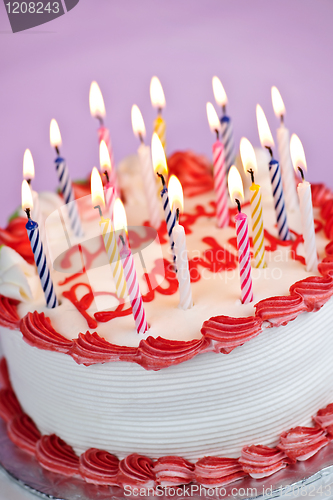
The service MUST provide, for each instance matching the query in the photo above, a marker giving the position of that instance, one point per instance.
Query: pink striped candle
(106, 169)
(244, 259)
(220, 179)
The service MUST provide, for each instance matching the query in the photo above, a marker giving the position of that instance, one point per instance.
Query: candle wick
(106, 173)
(122, 239)
(282, 119)
(302, 173)
(177, 214)
(224, 109)
(217, 134)
(57, 150)
(29, 181)
(270, 150)
(99, 209)
(238, 205)
(252, 175)
(141, 138)
(159, 111)
(101, 121)
(27, 211)
(161, 177)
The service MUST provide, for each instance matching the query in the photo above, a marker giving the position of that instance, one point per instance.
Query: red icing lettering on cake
(99, 467)
(23, 432)
(136, 470)
(171, 471)
(218, 471)
(57, 456)
(261, 461)
(300, 443)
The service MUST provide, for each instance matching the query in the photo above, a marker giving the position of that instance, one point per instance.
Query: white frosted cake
(207, 395)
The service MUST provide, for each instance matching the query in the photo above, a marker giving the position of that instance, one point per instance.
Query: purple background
(251, 45)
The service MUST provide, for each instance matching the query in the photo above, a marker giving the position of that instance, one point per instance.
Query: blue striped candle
(40, 260)
(228, 141)
(68, 194)
(279, 205)
(170, 217)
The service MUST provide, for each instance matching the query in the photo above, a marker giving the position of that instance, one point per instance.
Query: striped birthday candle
(40, 260)
(66, 188)
(243, 245)
(279, 205)
(257, 227)
(220, 184)
(104, 135)
(170, 216)
(133, 289)
(110, 243)
(228, 141)
(160, 129)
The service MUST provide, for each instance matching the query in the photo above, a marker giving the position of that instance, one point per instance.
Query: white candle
(178, 233)
(283, 140)
(148, 175)
(305, 202)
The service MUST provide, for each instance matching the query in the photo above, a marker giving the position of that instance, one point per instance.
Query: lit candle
(161, 169)
(158, 101)
(106, 168)
(97, 110)
(249, 161)
(243, 244)
(37, 248)
(148, 175)
(226, 125)
(28, 175)
(305, 201)
(266, 140)
(65, 181)
(120, 224)
(283, 140)
(108, 233)
(220, 172)
(183, 274)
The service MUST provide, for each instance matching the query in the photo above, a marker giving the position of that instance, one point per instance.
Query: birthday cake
(207, 395)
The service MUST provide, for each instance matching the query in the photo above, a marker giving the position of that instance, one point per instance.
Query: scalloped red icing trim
(220, 334)
(101, 467)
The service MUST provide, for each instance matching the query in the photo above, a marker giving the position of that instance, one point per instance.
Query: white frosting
(17, 277)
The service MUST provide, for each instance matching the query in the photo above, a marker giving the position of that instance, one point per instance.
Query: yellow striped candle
(109, 236)
(158, 101)
(258, 240)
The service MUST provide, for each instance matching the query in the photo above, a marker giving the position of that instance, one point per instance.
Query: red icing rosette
(262, 461)
(9, 405)
(15, 236)
(280, 310)
(8, 313)
(158, 353)
(173, 471)
(136, 470)
(4, 375)
(226, 332)
(300, 443)
(56, 456)
(320, 194)
(38, 332)
(99, 467)
(324, 417)
(315, 290)
(24, 433)
(216, 471)
(90, 348)
(194, 172)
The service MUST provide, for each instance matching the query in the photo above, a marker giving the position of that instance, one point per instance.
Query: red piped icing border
(220, 334)
(101, 467)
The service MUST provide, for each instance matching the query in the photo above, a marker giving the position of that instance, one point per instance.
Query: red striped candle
(244, 259)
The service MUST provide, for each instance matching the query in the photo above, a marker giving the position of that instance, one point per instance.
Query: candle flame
(176, 195)
(278, 104)
(156, 93)
(219, 92)
(235, 185)
(55, 136)
(297, 153)
(104, 157)
(119, 216)
(265, 134)
(158, 156)
(26, 196)
(138, 124)
(28, 165)
(213, 119)
(97, 193)
(248, 155)
(96, 101)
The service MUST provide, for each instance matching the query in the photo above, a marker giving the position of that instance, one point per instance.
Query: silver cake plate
(311, 479)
